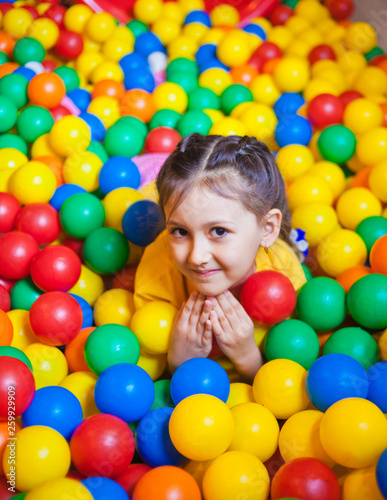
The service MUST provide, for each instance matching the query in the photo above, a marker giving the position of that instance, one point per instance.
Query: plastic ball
(5, 300)
(100, 487)
(40, 221)
(89, 286)
(69, 44)
(48, 363)
(372, 146)
(8, 114)
(82, 384)
(349, 276)
(28, 49)
(17, 381)
(337, 144)
(358, 483)
(96, 125)
(114, 306)
(294, 160)
(306, 478)
(194, 121)
(291, 74)
(362, 115)
(316, 219)
(376, 180)
(87, 312)
(6, 329)
(381, 473)
(68, 135)
(105, 250)
(16, 252)
(169, 95)
(349, 251)
(325, 110)
(18, 333)
(355, 205)
(116, 203)
(81, 214)
(45, 31)
(123, 140)
(33, 122)
(376, 256)
(60, 486)
(366, 301)
(96, 439)
(163, 398)
(293, 129)
(13, 141)
(377, 379)
(9, 209)
(118, 172)
(23, 294)
(133, 222)
(264, 89)
(215, 79)
(234, 49)
(354, 432)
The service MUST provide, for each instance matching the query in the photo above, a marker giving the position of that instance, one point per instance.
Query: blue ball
(134, 60)
(81, 98)
(211, 63)
(205, 52)
(293, 129)
(377, 393)
(103, 488)
(288, 104)
(255, 29)
(97, 128)
(63, 192)
(54, 407)
(87, 310)
(118, 171)
(200, 376)
(143, 222)
(198, 16)
(147, 43)
(124, 390)
(334, 377)
(153, 442)
(26, 72)
(381, 473)
(141, 78)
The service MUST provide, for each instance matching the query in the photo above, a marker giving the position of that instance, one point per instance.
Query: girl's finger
(187, 307)
(221, 309)
(228, 309)
(196, 310)
(207, 306)
(207, 332)
(216, 326)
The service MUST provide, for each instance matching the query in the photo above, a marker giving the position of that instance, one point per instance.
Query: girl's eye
(179, 232)
(219, 231)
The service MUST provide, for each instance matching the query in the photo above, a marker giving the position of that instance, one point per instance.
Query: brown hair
(238, 168)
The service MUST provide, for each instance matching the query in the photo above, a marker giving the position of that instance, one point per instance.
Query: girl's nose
(200, 253)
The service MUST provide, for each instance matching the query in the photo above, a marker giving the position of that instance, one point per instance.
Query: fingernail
(213, 314)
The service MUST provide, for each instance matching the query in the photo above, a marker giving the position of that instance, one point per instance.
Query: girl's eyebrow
(212, 223)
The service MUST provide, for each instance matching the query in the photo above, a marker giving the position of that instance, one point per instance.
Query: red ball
(59, 112)
(268, 297)
(16, 252)
(325, 110)
(55, 318)
(131, 476)
(340, 9)
(7, 283)
(9, 208)
(306, 479)
(5, 7)
(69, 44)
(162, 140)
(49, 66)
(75, 245)
(265, 52)
(56, 13)
(40, 220)
(34, 13)
(16, 375)
(375, 61)
(5, 299)
(280, 15)
(321, 52)
(349, 96)
(102, 445)
(55, 268)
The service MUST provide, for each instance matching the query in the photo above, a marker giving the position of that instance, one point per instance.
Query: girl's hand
(191, 332)
(234, 332)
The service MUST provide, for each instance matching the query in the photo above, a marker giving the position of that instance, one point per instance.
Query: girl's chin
(210, 291)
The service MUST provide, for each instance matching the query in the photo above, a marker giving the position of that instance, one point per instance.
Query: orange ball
(138, 103)
(4, 439)
(378, 254)
(243, 74)
(55, 164)
(46, 89)
(362, 177)
(270, 65)
(7, 43)
(6, 329)
(74, 351)
(383, 65)
(111, 88)
(348, 277)
(7, 68)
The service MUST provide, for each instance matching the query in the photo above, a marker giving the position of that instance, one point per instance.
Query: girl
(224, 203)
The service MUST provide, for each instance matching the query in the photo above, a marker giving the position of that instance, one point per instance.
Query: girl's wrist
(249, 364)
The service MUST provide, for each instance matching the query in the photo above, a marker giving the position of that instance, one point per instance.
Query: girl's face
(213, 240)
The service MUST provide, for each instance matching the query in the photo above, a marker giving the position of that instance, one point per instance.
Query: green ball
(133, 427)
(307, 272)
(295, 340)
(376, 51)
(194, 121)
(187, 80)
(24, 293)
(81, 214)
(69, 76)
(3, 58)
(98, 193)
(8, 113)
(109, 345)
(233, 95)
(33, 122)
(321, 304)
(20, 496)
(98, 149)
(28, 49)
(182, 64)
(137, 27)
(14, 87)
(291, 4)
(13, 141)
(163, 398)
(106, 250)
(13, 352)
(202, 98)
(354, 342)
(337, 143)
(371, 229)
(134, 122)
(164, 118)
(367, 301)
(123, 140)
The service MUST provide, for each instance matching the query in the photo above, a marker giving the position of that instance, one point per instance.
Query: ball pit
(91, 104)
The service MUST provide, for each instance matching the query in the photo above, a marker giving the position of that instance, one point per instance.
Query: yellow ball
(16, 22)
(83, 169)
(354, 164)
(213, 35)
(260, 121)
(312, 36)
(5, 176)
(311, 10)
(170, 95)
(42, 147)
(49, 364)
(371, 81)
(240, 393)
(335, 77)
(215, 115)
(291, 74)
(173, 11)
(341, 250)
(89, 285)
(11, 158)
(256, 430)
(362, 115)
(195, 31)
(298, 48)
(182, 46)
(360, 484)
(264, 90)
(355, 205)
(279, 385)
(22, 331)
(354, 432)
(114, 49)
(114, 306)
(377, 181)
(215, 79)
(152, 326)
(40, 454)
(116, 204)
(263, 22)
(100, 26)
(322, 65)
(87, 62)
(280, 36)
(106, 108)
(90, 45)
(33, 182)
(153, 364)
(317, 86)
(234, 49)
(309, 189)
(351, 60)
(317, 220)
(236, 475)
(300, 437)
(228, 126)
(42, 7)
(294, 160)
(69, 135)
(76, 17)
(361, 36)
(45, 31)
(332, 174)
(383, 345)
(372, 146)
(224, 15)
(326, 25)
(148, 11)
(107, 70)
(82, 384)
(210, 425)
(297, 24)
(62, 487)
(166, 29)
(124, 34)
(189, 5)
